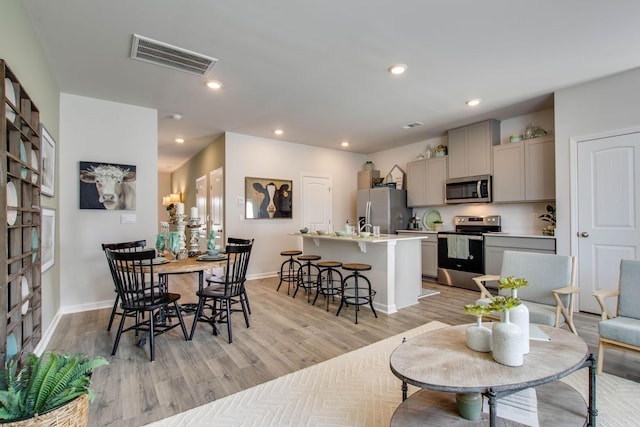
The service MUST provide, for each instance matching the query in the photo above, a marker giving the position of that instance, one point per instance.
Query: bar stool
(307, 274)
(355, 293)
(329, 280)
(289, 269)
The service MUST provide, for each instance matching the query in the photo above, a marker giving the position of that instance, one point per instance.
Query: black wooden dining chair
(218, 298)
(140, 293)
(132, 246)
(234, 241)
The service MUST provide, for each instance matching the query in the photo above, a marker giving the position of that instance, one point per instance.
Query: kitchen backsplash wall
(517, 218)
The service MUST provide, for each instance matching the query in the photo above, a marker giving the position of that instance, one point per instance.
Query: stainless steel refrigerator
(383, 206)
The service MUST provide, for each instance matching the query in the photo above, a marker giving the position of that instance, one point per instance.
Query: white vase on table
(520, 316)
(478, 337)
(506, 342)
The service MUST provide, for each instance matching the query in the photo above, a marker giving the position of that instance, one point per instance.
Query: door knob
(584, 234)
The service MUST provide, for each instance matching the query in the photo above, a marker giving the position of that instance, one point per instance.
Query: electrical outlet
(240, 200)
(128, 219)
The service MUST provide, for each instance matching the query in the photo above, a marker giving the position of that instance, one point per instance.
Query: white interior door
(608, 212)
(316, 203)
(216, 205)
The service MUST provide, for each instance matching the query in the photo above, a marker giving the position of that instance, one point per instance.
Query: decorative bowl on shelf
(321, 232)
(341, 233)
(365, 234)
(304, 230)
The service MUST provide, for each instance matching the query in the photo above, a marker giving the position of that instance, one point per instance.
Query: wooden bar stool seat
(307, 274)
(354, 291)
(329, 280)
(289, 269)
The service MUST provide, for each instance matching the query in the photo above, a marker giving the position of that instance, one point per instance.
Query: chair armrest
(484, 293)
(600, 296)
(567, 290)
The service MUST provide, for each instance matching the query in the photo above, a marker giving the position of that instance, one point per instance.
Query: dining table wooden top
(188, 265)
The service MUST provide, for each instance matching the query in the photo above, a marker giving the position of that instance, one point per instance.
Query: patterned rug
(358, 389)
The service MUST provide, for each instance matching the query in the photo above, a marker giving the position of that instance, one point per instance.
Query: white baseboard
(261, 275)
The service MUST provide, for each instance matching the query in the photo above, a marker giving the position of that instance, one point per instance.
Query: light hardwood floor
(286, 335)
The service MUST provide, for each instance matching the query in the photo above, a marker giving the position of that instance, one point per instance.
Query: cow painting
(267, 198)
(107, 186)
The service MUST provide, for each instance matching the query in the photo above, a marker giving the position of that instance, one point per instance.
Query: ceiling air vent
(412, 125)
(155, 52)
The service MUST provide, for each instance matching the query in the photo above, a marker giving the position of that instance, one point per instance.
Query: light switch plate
(128, 219)
(240, 200)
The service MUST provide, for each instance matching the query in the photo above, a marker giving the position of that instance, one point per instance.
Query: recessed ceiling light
(412, 125)
(176, 116)
(345, 143)
(473, 102)
(397, 69)
(278, 131)
(179, 140)
(214, 84)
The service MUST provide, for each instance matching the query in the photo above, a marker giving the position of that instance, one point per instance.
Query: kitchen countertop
(382, 239)
(420, 231)
(505, 234)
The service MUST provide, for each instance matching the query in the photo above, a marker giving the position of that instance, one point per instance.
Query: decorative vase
(479, 337)
(469, 405)
(520, 316)
(506, 342)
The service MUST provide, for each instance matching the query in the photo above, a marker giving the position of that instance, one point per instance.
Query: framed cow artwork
(267, 198)
(107, 186)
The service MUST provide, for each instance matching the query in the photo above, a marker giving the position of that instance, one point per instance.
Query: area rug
(358, 389)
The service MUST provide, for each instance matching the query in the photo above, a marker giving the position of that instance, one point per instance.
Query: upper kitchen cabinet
(470, 148)
(524, 171)
(425, 182)
(366, 177)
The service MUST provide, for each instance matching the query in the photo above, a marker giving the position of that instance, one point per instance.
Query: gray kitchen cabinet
(470, 148)
(495, 245)
(430, 256)
(425, 182)
(429, 245)
(524, 171)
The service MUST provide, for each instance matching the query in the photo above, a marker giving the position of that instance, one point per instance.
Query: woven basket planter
(73, 414)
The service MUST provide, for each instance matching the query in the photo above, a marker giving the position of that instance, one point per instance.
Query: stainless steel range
(461, 252)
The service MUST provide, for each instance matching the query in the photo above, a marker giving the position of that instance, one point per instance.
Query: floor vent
(155, 52)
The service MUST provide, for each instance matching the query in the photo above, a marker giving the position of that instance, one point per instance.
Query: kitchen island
(395, 274)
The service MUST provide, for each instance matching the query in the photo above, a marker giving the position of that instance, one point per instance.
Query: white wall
(101, 131)
(261, 157)
(599, 106)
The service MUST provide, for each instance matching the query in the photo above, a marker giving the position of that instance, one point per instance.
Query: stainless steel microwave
(473, 189)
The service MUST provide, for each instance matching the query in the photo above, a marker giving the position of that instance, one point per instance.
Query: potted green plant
(437, 225)
(46, 387)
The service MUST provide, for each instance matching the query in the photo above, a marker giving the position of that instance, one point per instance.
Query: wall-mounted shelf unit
(20, 220)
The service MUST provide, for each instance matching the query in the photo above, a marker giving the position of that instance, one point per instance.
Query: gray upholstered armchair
(551, 291)
(623, 328)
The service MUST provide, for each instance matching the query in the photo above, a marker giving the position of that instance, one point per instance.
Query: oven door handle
(444, 236)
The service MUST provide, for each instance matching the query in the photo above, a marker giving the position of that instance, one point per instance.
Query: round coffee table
(439, 360)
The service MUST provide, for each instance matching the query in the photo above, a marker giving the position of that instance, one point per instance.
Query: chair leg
(245, 311)
(228, 309)
(119, 334)
(245, 297)
(152, 338)
(600, 356)
(113, 312)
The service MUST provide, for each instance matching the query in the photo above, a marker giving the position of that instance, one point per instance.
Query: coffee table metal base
(558, 404)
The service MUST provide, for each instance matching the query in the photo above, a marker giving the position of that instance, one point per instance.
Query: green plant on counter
(503, 303)
(512, 283)
(44, 382)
